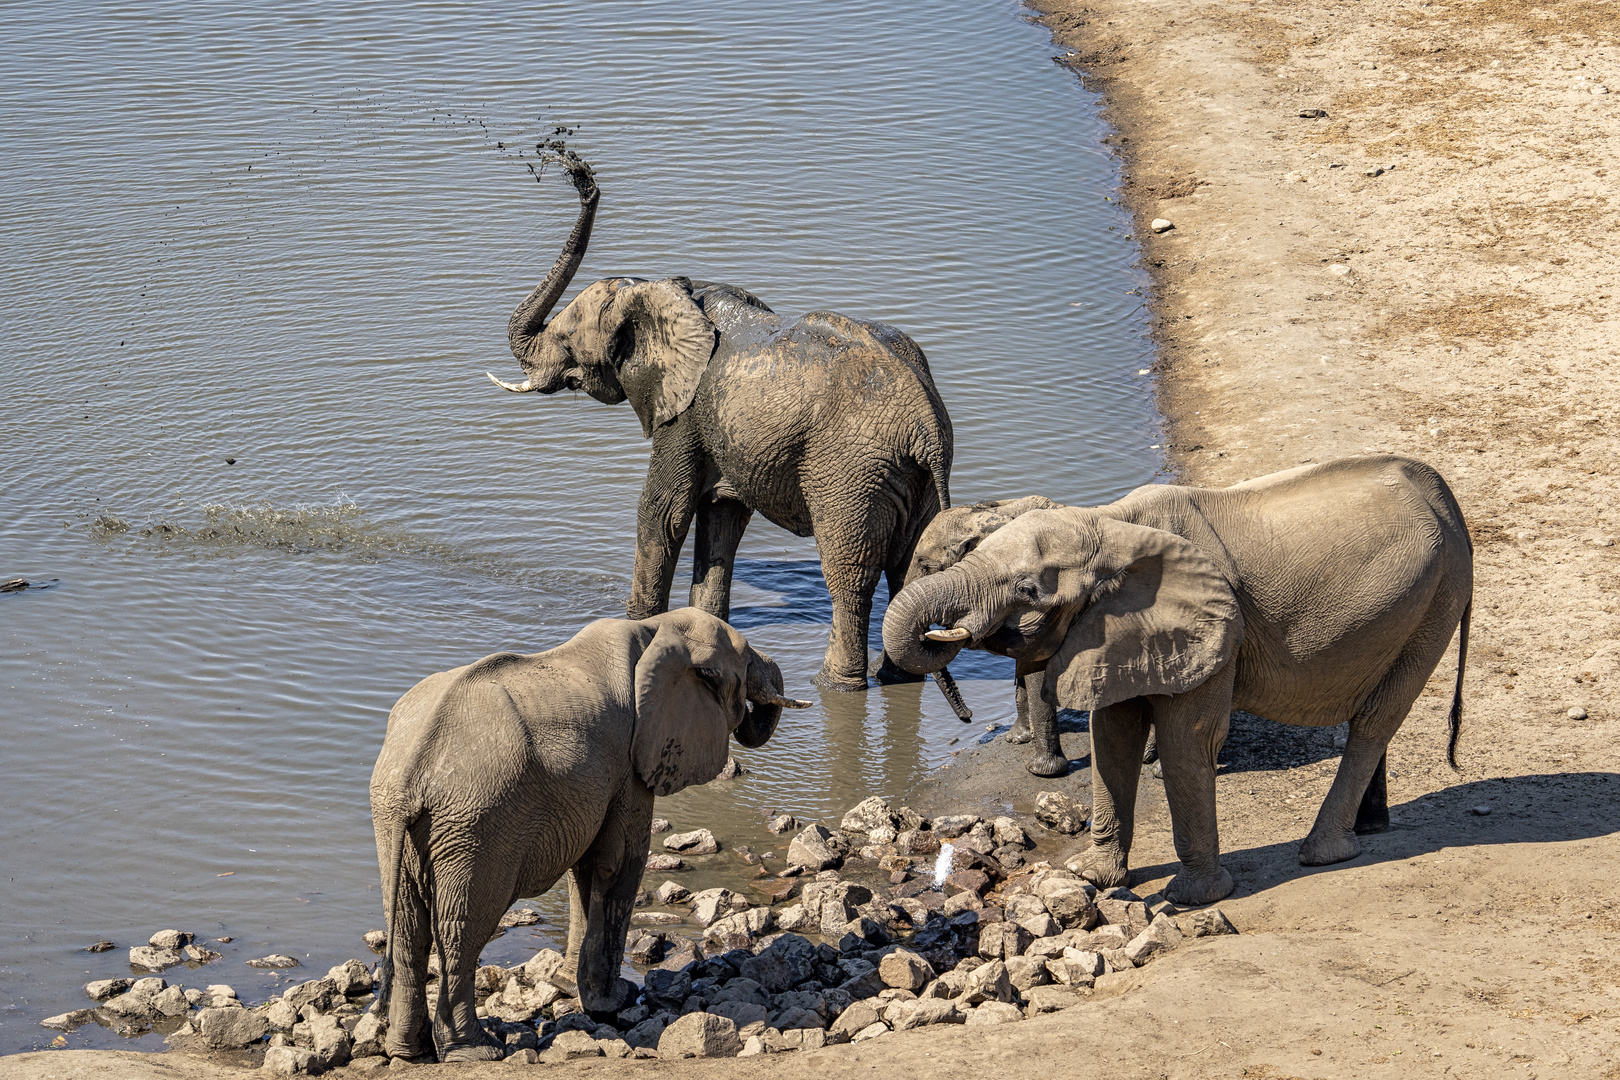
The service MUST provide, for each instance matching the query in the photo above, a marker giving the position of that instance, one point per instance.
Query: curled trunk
(938, 598)
(530, 317)
(765, 701)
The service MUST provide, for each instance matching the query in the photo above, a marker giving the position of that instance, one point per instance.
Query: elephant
(496, 778)
(950, 536)
(827, 426)
(1324, 594)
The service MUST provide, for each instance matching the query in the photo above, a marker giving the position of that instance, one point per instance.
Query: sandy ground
(1458, 306)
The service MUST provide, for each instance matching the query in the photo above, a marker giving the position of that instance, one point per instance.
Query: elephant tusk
(524, 387)
(956, 634)
(787, 702)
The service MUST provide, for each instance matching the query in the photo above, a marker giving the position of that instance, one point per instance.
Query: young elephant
(496, 778)
(1315, 596)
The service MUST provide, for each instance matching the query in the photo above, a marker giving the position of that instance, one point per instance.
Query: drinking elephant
(496, 778)
(1315, 596)
(828, 426)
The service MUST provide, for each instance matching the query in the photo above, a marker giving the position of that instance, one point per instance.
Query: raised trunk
(530, 317)
(939, 598)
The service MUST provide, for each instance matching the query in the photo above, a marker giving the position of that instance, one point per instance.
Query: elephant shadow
(1255, 744)
(800, 596)
(1533, 808)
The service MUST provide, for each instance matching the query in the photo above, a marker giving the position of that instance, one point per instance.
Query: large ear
(686, 708)
(1161, 619)
(671, 346)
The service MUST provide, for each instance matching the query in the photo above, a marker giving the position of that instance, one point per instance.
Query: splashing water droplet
(942, 865)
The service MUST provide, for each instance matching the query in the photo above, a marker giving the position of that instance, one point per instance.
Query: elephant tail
(1456, 696)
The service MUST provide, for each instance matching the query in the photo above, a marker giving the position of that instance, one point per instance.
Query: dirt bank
(1457, 306)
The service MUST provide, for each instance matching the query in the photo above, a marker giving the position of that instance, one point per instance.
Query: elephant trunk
(530, 317)
(938, 598)
(765, 701)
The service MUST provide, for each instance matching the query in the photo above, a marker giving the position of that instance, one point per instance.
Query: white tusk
(956, 634)
(789, 703)
(517, 388)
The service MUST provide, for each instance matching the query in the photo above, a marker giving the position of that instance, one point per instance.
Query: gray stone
(330, 1041)
(988, 982)
(950, 826)
(738, 931)
(671, 892)
(870, 1032)
(795, 917)
(69, 1020)
(1132, 915)
(231, 1029)
(1008, 831)
(1041, 926)
(966, 900)
(702, 1035)
(816, 849)
(740, 989)
(614, 1048)
(1100, 939)
(869, 814)
(371, 1031)
(375, 939)
(171, 1002)
(905, 969)
(1207, 923)
(1049, 999)
(859, 1016)
(1069, 902)
(645, 1034)
(749, 1016)
(782, 965)
(170, 939)
(102, 989)
(351, 978)
(731, 769)
(152, 958)
(781, 823)
(571, 1046)
(289, 1061)
(274, 960)
(316, 993)
(927, 1011)
(1027, 971)
(663, 864)
(1060, 813)
(994, 1012)
(546, 966)
(199, 954)
(1161, 935)
(1117, 960)
(1003, 940)
(712, 904)
(696, 842)
(659, 825)
(1160, 225)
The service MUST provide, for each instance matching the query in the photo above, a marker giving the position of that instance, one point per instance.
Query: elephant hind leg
(1372, 816)
(466, 911)
(720, 526)
(409, 940)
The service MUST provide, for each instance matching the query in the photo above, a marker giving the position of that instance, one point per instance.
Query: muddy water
(256, 264)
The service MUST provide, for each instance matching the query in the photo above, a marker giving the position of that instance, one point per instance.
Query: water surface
(256, 264)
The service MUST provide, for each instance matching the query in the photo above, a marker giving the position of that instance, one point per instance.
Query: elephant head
(620, 339)
(955, 532)
(1116, 610)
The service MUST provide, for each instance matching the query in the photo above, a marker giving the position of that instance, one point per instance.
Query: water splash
(942, 865)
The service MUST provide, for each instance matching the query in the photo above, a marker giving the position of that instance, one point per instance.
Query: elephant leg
(1046, 756)
(1191, 728)
(1118, 733)
(668, 500)
(720, 525)
(610, 873)
(464, 923)
(1150, 753)
(851, 586)
(410, 1036)
(1372, 816)
(1020, 732)
(889, 673)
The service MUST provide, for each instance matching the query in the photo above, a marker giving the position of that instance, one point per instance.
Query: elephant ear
(681, 724)
(1164, 621)
(670, 340)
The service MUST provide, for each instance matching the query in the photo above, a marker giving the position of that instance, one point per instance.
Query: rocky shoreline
(891, 922)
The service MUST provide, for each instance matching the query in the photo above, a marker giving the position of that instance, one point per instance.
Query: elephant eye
(1026, 590)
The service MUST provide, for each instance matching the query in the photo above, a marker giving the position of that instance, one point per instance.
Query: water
(292, 238)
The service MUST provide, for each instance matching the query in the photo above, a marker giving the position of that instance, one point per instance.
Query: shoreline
(1268, 356)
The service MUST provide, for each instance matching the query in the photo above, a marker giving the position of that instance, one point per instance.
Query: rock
(798, 1019)
(967, 880)
(926, 1011)
(1210, 922)
(219, 992)
(981, 839)
(712, 904)
(671, 892)
(524, 916)
(289, 1061)
(331, 1041)
(994, 1012)
(987, 982)
(869, 814)
(773, 889)
(656, 918)
(231, 1029)
(663, 864)
(700, 1035)
(1162, 224)
(102, 989)
(351, 978)
(69, 1020)
(571, 1046)
(1481, 811)
(750, 1017)
(731, 769)
(171, 1002)
(816, 849)
(1577, 713)
(794, 917)
(198, 954)
(738, 931)
(316, 992)
(678, 952)
(641, 947)
(871, 1031)
(950, 826)
(1048, 999)
(1339, 270)
(1131, 914)
(1008, 831)
(905, 969)
(153, 958)
(659, 825)
(914, 842)
(100, 946)
(752, 1045)
(370, 1032)
(1047, 946)
(855, 1019)
(781, 823)
(279, 1015)
(1060, 813)
(1116, 960)
(696, 842)
(645, 1034)
(1003, 940)
(170, 939)
(1069, 902)
(1027, 971)
(782, 965)
(614, 1048)
(375, 939)
(276, 960)
(962, 902)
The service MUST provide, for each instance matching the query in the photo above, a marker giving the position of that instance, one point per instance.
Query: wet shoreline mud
(1388, 231)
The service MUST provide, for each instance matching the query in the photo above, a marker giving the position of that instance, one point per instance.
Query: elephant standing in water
(828, 426)
(1315, 596)
(497, 778)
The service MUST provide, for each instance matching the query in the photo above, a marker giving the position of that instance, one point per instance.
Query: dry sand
(1458, 307)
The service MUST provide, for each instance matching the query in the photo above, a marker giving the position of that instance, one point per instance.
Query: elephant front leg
(720, 525)
(609, 875)
(668, 500)
(844, 667)
(1118, 733)
(1191, 729)
(1046, 756)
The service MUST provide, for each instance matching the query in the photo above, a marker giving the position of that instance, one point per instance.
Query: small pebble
(1600, 89)
(1374, 171)
(1339, 268)
(1481, 811)
(1162, 225)
(1577, 713)
(1294, 177)
(1313, 114)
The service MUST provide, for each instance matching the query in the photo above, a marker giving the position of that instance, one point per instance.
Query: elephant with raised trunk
(827, 426)
(497, 778)
(1316, 596)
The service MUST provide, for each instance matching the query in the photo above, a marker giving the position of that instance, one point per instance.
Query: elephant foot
(1187, 889)
(416, 1055)
(827, 680)
(1158, 770)
(888, 674)
(480, 1052)
(1021, 734)
(1150, 752)
(1322, 849)
(1047, 765)
(1104, 867)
